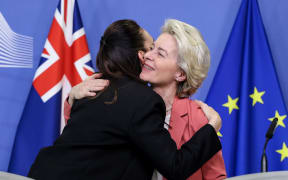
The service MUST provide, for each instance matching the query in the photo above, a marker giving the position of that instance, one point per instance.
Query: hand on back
(87, 88)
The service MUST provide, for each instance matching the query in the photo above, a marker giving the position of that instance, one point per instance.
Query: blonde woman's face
(160, 64)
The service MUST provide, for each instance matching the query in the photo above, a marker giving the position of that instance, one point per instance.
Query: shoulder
(148, 107)
(139, 97)
(186, 104)
(193, 105)
(137, 91)
(196, 113)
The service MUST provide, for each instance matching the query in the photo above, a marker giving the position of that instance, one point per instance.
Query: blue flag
(65, 62)
(246, 93)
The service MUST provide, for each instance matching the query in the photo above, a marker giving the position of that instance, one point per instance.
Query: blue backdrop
(213, 18)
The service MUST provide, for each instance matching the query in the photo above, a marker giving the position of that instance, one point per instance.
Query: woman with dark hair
(119, 134)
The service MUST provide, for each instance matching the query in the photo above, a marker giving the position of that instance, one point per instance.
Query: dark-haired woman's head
(120, 49)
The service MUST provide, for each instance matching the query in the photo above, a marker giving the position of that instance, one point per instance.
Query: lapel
(179, 119)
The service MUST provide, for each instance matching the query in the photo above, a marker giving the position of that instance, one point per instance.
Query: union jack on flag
(65, 62)
(65, 55)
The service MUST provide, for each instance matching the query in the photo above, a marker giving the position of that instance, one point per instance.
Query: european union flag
(246, 93)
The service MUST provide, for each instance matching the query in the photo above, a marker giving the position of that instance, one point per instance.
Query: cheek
(167, 69)
(165, 73)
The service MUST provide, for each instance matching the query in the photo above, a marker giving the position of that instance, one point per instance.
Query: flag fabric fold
(246, 93)
(65, 62)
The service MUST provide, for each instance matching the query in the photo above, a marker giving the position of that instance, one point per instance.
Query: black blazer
(120, 135)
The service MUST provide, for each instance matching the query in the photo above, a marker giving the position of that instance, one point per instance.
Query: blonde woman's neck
(168, 94)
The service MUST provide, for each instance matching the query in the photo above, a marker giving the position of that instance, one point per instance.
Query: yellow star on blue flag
(231, 104)
(257, 96)
(280, 119)
(283, 152)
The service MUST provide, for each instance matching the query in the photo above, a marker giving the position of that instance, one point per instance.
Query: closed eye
(160, 54)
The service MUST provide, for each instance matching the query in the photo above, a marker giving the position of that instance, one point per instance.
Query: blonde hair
(193, 55)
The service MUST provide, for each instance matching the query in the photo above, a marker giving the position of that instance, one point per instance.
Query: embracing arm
(86, 88)
(154, 141)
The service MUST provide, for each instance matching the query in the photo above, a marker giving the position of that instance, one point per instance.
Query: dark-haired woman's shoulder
(136, 97)
(139, 92)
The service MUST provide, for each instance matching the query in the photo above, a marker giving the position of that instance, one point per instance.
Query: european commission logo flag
(246, 93)
(65, 62)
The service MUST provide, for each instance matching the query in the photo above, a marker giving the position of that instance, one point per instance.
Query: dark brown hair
(118, 53)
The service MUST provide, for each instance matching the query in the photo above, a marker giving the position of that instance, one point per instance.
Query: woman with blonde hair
(176, 68)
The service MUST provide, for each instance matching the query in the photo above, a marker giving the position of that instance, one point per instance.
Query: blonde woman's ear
(180, 76)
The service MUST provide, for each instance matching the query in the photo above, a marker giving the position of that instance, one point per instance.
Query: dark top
(122, 140)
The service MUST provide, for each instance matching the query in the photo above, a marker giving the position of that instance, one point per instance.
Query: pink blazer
(187, 118)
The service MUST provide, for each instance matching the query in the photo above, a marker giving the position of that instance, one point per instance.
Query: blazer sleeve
(154, 141)
(214, 169)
